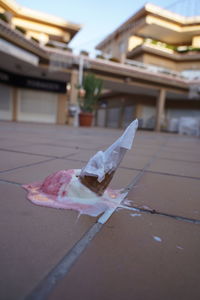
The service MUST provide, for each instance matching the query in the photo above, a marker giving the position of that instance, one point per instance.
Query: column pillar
(121, 116)
(106, 117)
(62, 112)
(160, 106)
(138, 111)
(73, 95)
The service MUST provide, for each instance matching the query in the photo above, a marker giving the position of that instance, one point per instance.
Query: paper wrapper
(100, 169)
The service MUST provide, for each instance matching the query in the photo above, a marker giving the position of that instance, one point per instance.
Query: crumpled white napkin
(107, 161)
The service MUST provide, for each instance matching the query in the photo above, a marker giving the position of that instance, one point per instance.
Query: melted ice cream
(63, 189)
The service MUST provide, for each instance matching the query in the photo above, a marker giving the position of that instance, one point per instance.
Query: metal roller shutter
(37, 106)
(5, 102)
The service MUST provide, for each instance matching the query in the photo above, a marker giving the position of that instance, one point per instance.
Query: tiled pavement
(149, 253)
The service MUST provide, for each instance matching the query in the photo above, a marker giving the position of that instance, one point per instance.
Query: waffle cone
(92, 183)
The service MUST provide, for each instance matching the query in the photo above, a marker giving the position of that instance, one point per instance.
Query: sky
(99, 18)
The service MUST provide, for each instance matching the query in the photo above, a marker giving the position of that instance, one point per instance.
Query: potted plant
(89, 93)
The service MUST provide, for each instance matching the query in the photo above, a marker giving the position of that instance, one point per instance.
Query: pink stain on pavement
(51, 193)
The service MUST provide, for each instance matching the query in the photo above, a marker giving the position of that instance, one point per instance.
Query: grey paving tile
(124, 261)
(83, 155)
(182, 168)
(143, 150)
(135, 161)
(173, 195)
(49, 150)
(137, 257)
(11, 160)
(184, 142)
(122, 178)
(40, 171)
(12, 143)
(33, 240)
(186, 156)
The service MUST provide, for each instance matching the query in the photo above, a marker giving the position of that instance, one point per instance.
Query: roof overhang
(18, 39)
(146, 48)
(10, 49)
(144, 22)
(24, 12)
(168, 32)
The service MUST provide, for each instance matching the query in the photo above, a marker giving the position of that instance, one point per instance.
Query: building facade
(158, 41)
(149, 67)
(31, 88)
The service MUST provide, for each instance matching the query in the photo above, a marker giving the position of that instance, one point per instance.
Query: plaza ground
(149, 253)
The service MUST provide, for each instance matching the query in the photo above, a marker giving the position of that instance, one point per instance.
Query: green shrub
(93, 87)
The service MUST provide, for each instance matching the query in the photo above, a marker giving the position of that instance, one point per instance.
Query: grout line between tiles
(181, 160)
(70, 147)
(155, 212)
(28, 153)
(26, 166)
(36, 154)
(171, 174)
(10, 182)
(161, 173)
(68, 157)
(62, 268)
(36, 163)
(139, 169)
(43, 289)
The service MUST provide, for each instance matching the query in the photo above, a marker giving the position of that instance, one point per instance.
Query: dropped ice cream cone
(100, 169)
(85, 190)
(92, 183)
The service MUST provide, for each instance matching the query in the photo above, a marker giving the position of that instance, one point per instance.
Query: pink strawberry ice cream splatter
(64, 190)
(53, 182)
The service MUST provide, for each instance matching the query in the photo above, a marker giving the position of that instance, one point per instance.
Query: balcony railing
(154, 69)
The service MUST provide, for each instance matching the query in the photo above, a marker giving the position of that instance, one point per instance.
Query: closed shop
(178, 113)
(101, 117)
(37, 106)
(5, 102)
(113, 117)
(128, 115)
(148, 117)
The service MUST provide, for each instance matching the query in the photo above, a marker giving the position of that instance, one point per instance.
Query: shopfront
(36, 99)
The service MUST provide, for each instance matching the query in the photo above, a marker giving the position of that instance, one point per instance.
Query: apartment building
(30, 87)
(155, 40)
(149, 67)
